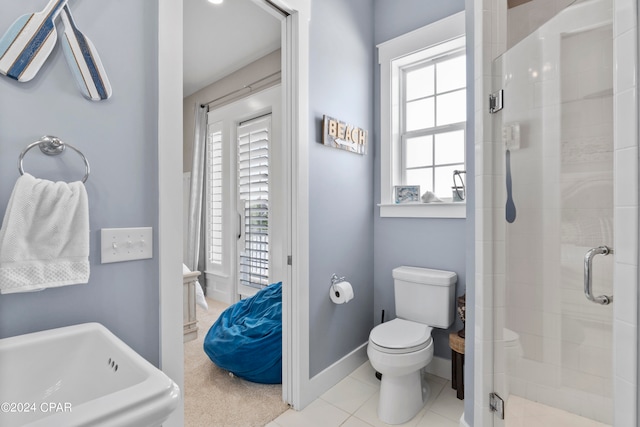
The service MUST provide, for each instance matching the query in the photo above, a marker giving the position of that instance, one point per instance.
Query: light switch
(126, 244)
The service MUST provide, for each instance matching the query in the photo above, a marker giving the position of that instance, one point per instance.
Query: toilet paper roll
(341, 293)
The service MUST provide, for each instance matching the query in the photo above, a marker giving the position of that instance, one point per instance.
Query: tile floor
(522, 412)
(353, 402)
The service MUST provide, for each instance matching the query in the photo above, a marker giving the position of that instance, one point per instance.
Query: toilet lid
(401, 335)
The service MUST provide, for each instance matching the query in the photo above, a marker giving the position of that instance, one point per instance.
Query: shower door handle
(588, 260)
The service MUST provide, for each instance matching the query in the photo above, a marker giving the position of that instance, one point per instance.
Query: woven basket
(456, 343)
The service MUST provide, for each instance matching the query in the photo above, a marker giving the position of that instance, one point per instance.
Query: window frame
(441, 38)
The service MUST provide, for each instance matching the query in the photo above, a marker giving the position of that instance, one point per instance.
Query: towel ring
(52, 146)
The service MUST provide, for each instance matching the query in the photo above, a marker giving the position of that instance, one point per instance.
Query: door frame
(295, 83)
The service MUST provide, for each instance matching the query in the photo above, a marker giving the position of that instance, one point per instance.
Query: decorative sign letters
(344, 136)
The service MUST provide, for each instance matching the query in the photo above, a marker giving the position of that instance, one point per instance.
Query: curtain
(194, 228)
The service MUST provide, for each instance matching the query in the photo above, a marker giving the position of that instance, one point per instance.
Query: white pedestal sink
(80, 375)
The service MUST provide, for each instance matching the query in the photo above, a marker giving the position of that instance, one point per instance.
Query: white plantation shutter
(214, 193)
(253, 186)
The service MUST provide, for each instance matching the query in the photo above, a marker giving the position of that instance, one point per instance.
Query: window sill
(424, 210)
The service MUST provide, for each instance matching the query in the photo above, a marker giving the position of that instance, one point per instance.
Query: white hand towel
(44, 239)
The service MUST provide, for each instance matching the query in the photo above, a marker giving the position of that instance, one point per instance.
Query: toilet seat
(400, 336)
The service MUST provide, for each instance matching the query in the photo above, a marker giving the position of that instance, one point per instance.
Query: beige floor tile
(355, 422)
(366, 373)
(349, 394)
(369, 413)
(431, 419)
(447, 404)
(317, 414)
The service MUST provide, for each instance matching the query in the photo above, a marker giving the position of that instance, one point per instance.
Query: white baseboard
(338, 371)
(218, 288)
(463, 423)
(217, 295)
(440, 367)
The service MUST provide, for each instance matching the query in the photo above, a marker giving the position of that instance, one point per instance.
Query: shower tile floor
(525, 413)
(353, 402)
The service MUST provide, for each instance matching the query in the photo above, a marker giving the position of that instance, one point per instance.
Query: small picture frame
(407, 194)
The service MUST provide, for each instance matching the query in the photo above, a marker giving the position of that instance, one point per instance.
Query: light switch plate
(126, 244)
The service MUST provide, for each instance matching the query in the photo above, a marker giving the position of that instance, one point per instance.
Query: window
(253, 138)
(433, 129)
(245, 204)
(214, 193)
(423, 112)
(253, 180)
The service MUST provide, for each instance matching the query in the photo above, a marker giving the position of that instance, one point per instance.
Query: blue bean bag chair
(247, 337)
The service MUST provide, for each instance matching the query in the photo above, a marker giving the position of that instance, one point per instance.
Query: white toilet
(401, 348)
(513, 354)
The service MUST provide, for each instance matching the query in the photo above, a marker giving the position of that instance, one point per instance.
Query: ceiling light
(216, 1)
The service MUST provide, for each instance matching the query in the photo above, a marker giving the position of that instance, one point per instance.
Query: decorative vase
(461, 312)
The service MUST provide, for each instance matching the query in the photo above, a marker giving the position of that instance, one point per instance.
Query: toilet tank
(425, 295)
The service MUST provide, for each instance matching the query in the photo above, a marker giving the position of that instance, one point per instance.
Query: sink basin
(80, 375)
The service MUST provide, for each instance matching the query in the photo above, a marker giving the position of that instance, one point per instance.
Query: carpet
(215, 398)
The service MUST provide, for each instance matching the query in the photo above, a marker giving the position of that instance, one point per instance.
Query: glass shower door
(553, 163)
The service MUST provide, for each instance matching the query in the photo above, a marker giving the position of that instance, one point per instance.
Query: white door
(245, 227)
(252, 160)
(553, 360)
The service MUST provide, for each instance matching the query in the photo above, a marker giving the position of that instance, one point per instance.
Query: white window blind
(214, 193)
(253, 186)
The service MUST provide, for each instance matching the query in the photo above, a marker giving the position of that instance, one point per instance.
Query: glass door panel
(554, 157)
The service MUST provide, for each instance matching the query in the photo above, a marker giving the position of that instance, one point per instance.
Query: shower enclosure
(555, 225)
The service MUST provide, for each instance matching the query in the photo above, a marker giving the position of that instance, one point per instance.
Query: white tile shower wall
(625, 386)
(531, 16)
(485, 24)
(490, 24)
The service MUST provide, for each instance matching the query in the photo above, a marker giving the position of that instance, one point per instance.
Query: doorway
(225, 85)
(234, 154)
(295, 63)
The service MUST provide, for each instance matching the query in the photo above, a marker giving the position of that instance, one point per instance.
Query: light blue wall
(443, 244)
(432, 243)
(341, 183)
(119, 139)
(342, 195)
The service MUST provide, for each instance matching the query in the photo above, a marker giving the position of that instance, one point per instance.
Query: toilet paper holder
(340, 291)
(335, 280)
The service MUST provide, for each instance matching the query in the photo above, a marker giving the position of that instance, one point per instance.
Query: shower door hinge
(496, 101)
(289, 260)
(496, 404)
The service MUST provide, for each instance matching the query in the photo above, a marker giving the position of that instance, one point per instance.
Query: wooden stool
(457, 364)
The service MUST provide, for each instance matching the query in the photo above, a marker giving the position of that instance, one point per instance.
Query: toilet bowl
(399, 350)
(513, 348)
(513, 354)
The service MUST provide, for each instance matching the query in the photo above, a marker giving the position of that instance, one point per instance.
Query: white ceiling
(220, 39)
